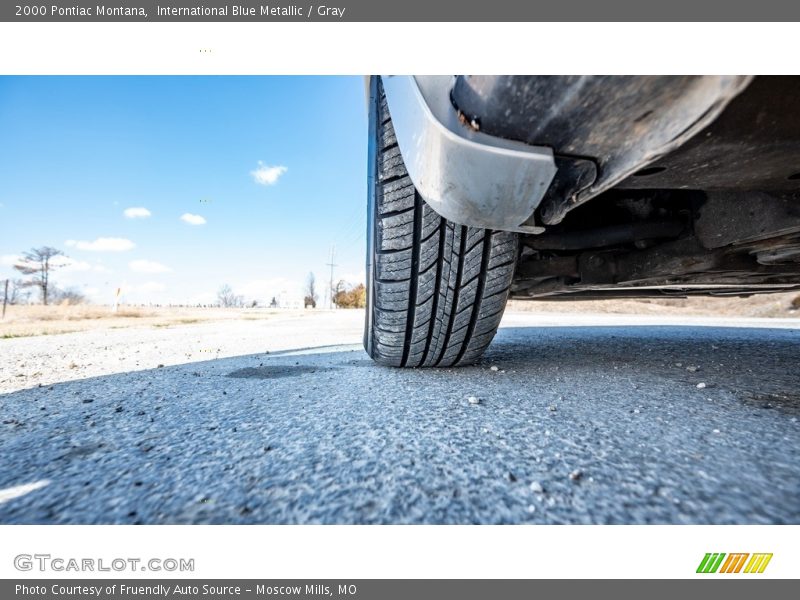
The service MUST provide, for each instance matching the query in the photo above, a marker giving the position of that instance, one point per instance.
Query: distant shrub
(69, 296)
(355, 297)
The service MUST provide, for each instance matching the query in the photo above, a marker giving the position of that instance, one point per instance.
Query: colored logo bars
(713, 563)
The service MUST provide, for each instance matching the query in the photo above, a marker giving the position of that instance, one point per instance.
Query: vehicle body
(604, 186)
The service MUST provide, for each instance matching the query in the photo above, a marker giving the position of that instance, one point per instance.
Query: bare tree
(227, 299)
(14, 291)
(67, 296)
(37, 263)
(311, 295)
(17, 294)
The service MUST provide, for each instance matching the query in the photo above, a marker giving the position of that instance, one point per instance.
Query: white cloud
(148, 266)
(193, 219)
(102, 244)
(65, 264)
(150, 287)
(268, 175)
(136, 212)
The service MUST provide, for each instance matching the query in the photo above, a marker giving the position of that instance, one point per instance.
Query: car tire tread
(439, 288)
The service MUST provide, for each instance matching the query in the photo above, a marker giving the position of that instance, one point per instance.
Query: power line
(354, 241)
(354, 224)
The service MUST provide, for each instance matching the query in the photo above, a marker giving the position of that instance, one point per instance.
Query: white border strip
(363, 48)
(371, 552)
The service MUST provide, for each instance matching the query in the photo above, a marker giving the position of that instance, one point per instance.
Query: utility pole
(331, 265)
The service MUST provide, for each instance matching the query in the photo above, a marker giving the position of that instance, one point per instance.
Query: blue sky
(247, 181)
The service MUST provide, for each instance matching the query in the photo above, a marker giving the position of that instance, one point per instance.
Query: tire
(436, 290)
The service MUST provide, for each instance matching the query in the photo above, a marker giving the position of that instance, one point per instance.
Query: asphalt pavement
(567, 419)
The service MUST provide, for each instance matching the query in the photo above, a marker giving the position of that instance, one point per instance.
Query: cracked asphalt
(579, 419)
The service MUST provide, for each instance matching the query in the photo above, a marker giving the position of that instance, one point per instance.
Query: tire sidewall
(372, 204)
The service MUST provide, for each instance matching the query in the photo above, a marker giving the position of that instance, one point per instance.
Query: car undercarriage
(714, 210)
(666, 243)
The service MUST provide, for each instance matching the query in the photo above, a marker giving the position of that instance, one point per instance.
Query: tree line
(343, 295)
(37, 265)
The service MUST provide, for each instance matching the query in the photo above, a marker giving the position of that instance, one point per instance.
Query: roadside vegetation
(34, 305)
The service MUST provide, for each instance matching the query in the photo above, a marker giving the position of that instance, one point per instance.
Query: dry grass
(23, 321)
(764, 306)
(76, 313)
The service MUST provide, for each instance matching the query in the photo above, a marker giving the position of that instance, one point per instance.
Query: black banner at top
(399, 11)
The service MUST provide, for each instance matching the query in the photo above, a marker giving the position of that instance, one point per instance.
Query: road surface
(573, 419)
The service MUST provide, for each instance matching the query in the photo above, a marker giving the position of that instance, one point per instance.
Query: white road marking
(20, 490)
